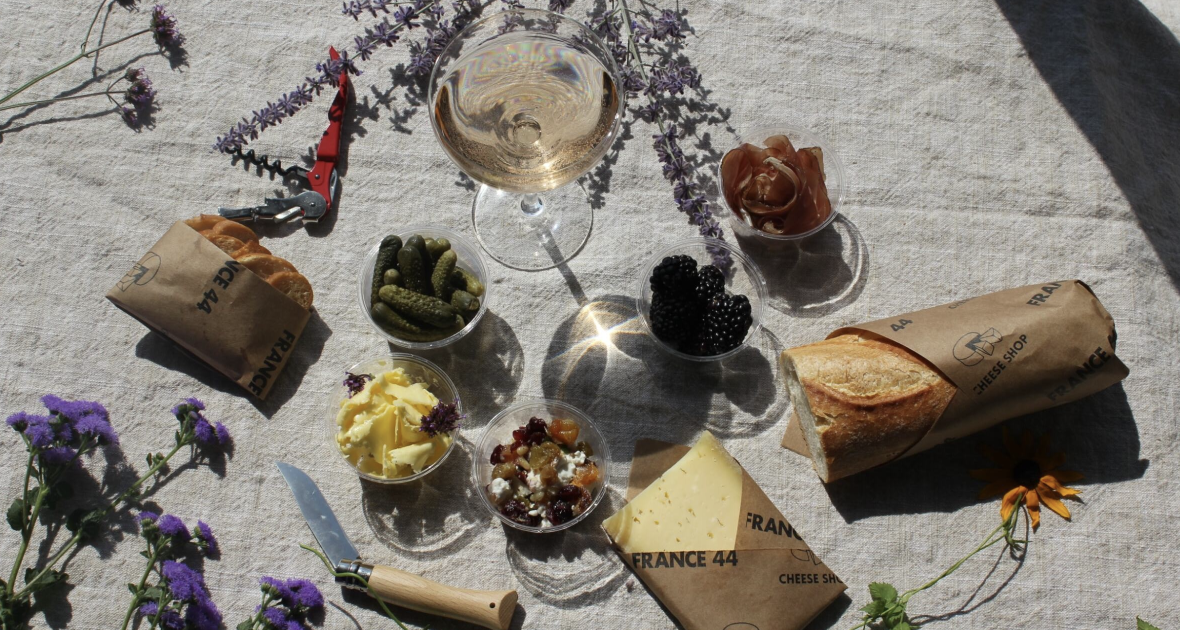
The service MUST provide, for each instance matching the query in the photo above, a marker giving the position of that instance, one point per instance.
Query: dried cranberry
(519, 434)
(570, 494)
(534, 439)
(522, 475)
(517, 511)
(560, 512)
(536, 425)
(498, 454)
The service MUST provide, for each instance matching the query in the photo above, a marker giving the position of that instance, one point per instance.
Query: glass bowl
(499, 431)
(420, 371)
(800, 138)
(743, 278)
(469, 260)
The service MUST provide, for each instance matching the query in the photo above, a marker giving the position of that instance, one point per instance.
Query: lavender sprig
(408, 15)
(444, 418)
(356, 382)
(621, 30)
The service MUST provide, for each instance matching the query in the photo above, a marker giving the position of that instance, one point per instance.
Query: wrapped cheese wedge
(711, 546)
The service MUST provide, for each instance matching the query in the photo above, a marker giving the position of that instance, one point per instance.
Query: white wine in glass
(525, 102)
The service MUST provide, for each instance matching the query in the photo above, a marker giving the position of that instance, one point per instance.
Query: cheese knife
(490, 609)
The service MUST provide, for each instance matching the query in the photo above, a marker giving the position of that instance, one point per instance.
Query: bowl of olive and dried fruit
(423, 287)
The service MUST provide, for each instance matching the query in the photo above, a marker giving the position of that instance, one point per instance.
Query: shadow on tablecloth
(1116, 70)
(1097, 434)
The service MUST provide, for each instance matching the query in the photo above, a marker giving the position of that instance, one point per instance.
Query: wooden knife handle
(490, 609)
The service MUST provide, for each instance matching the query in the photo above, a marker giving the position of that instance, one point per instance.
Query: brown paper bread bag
(879, 391)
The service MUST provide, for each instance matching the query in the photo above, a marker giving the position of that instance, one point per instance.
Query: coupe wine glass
(526, 101)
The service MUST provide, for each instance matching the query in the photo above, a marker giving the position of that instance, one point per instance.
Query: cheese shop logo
(771, 525)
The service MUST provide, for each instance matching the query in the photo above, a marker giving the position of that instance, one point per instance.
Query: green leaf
(133, 588)
(874, 608)
(153, 593)
(883, 592)
(246, 625)
(1143, 625)
(17, 513)
(894, 618)
(84, 521)
(903, 625)
(47, 579)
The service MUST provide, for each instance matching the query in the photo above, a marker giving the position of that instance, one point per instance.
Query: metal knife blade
(319, 516)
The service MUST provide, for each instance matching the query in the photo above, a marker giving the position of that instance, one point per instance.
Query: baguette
(862, 400)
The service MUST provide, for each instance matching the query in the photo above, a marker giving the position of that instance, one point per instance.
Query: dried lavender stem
(69, 62)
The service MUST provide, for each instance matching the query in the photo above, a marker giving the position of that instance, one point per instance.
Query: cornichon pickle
(413, 270)
(392, 276)
(433, 334)
(458, 280)
(419, 243)
(436, 247)
(464, 302)
(474, 286)
(424, 308)
(386, 259)
(441, 277)
(388, 318)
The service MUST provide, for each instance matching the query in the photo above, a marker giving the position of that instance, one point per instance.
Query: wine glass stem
(531, 204)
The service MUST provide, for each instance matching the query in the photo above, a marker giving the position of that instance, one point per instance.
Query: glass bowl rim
(584, 419)
(480, 270)
(334, 409)
(757, 312)
(832, 162)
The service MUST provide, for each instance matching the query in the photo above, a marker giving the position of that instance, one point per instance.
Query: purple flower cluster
(407, 16)
(188, 605)
(444, 418)
(206, 433)
(163, 28)
(72, 429)
(206, 539)
(286, 603)
(140, 91)
(356, 382)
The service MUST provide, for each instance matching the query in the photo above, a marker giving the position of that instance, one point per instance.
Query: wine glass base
(532, 241)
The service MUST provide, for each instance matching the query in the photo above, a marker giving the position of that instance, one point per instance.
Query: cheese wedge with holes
(695, 505)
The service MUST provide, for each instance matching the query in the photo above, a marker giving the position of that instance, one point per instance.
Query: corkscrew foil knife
(312, 205)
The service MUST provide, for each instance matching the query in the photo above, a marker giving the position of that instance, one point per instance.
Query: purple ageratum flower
(276, 617)
(164, 29)
(184, 583)
(149, 609)
(223, 437)
(97, 428)
(202, 614)
(18, 421)
(73, 410)
(144, 517)
(205, 534)
(58, 455)
(171, 620)
(304, 594)
(444, 418)
(170, 525)
(39, 431)
(277, 587)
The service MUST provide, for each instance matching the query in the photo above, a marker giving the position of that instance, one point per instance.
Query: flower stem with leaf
(361, 580)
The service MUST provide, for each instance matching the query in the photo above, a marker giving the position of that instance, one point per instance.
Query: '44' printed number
(722, 558)
(901, 324)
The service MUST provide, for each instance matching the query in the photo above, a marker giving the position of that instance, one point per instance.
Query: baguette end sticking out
(862, 401)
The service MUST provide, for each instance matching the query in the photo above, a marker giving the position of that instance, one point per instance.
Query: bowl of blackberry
(701, 299)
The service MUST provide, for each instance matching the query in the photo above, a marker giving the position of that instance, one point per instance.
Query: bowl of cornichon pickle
(423, 287)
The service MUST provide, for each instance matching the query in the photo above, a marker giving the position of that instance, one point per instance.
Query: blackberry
(710, 284)
(674, 318)
(674, 274)
(727, 320)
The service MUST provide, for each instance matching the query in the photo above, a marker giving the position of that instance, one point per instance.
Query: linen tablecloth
(988, 144)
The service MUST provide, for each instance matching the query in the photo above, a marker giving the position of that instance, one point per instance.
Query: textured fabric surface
(987, 144)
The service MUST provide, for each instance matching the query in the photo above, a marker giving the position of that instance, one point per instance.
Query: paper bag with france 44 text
(769, 580)
(1008, 354)
(196, 295)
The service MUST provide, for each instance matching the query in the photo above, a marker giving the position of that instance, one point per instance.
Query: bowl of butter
(394, 419)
